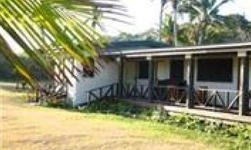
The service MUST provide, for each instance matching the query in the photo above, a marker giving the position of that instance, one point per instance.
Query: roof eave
(234, 47)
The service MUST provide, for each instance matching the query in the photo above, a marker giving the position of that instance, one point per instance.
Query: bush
(62, 103)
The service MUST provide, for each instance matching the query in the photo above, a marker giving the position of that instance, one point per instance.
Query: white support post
(121, 76)
(243, 84)
(150, 78)
(190, 80)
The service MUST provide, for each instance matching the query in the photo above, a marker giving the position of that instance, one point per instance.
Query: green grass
(231, 137)
(113, 126)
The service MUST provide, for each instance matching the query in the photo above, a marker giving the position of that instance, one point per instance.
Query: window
(143, 69)
(215, 70)
(88, 70)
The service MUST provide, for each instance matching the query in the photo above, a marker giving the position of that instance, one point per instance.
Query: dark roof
(182, 50)
(134, 45)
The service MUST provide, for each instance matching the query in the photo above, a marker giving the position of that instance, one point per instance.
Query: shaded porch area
(185, 83)
(211, 81)
(137, 94)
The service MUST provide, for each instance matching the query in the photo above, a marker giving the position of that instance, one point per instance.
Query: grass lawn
(27, 127)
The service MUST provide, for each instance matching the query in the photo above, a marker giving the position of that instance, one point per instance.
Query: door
(177, 70)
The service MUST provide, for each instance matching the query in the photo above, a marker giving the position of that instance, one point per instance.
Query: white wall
(130, 72)
(163, 69)
(107, 74)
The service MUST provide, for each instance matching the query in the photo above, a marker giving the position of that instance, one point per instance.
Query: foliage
(203, 13)
(236, 136)
(8, 73)
(236, 29)
(119, 108)
(239, 28)
(167, 29)
(150, 34)
(44, 27)
(187, 34)
(64, 103)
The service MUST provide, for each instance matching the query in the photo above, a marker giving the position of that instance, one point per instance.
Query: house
(209, 77)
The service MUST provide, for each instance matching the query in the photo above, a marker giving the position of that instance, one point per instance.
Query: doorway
(177, 70)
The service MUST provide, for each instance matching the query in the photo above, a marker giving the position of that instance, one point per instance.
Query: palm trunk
(162, 4)
(175, 26)
(201, 34)
(160, 21)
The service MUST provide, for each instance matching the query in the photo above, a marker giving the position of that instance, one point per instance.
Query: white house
(211, 76)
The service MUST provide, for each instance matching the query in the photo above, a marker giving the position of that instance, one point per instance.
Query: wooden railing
(249, 97)
(170, 94)
(51, 93)
(135, 91)
(217, 98)
(108, 91)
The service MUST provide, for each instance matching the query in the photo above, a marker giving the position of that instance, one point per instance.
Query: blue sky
(145, 14)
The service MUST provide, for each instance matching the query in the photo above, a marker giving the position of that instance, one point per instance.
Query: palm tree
(175, 26)
(167, 30)
(174, 4)
(162, 5)
(240, 27)
(66, 32)
(204, 13)
(187, 34)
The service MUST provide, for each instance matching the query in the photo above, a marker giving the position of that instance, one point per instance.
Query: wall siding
(163, 71)
(107, 74)
(130, 72)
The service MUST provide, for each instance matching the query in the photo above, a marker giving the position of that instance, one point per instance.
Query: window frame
(88, 71)
(204, 74)
(143, 69)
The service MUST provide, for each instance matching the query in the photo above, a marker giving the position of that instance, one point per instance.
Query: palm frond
(48, 30)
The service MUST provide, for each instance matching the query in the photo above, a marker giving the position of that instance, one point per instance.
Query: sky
(145, 14)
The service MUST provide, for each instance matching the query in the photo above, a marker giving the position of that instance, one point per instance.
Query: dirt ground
(28, 127)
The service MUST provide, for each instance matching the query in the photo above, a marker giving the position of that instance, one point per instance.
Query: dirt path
(26, 127)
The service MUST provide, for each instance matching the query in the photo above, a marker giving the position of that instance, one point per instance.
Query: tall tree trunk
(160, 21)
(175, 26)
(201, 34)
(162, 4)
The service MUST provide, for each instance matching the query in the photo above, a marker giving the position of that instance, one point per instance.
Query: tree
(235, 29)
(239, 28)
(174, 4)
(162, 5)
(45, 27)
(187, 34)
(167, 30)
(204, 13)
(151, 34)
(175, 26)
